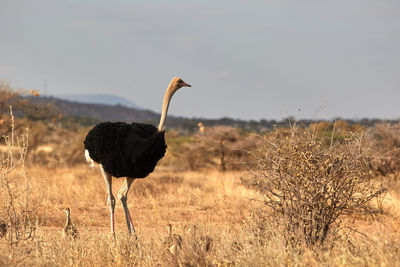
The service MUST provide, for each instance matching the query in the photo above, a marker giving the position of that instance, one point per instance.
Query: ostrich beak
(186, 84)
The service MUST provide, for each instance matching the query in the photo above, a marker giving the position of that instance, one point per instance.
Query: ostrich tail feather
(88, 158)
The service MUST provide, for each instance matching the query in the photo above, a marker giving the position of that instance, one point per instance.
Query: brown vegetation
(220, 147)
(17, 210)
(304, 197)
(310, 185)
(384, 148)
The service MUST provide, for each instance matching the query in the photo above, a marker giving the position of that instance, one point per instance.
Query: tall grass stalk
(17, 210)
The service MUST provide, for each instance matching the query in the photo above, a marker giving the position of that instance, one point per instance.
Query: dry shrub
(384, 143)
(310, 185)
(56, 146)
(7, 95)
(23, 104)
(17, 208)
(221, 147)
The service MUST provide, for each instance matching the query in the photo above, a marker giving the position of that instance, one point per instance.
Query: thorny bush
(310, 184)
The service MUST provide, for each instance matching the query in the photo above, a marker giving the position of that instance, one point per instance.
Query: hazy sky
(245, 59)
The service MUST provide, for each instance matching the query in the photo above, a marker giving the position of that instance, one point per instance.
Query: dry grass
(233, 216)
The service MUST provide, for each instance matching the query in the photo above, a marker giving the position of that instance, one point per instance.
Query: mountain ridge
(108, 99)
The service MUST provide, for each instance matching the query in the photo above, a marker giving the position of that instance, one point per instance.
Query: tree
(221, 146)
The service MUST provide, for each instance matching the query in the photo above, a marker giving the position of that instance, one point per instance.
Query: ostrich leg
(123, 195)
(110, 199)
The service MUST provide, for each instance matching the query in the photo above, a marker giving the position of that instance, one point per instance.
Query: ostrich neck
(68, 222)
(167, 98)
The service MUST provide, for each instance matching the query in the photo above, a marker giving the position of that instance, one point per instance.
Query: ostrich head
(66, 210)
(169, 229)
(176, 84)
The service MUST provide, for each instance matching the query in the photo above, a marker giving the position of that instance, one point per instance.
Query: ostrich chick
(3, 228)
(173, 241)
(69, 229)
(204, 242)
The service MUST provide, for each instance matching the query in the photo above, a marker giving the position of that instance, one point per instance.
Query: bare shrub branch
(17, 208)
(310, 183)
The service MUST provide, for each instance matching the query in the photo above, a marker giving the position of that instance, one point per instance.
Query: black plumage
(126, 150)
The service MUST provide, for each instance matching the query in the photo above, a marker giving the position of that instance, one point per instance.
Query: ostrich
(173, 241)
(128, 150)
(3, 228)
(204, 242)
(69, 229)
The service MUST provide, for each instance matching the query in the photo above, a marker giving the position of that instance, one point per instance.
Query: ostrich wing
(130, 150)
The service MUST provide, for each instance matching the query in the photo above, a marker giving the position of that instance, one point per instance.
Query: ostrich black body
(126, 150)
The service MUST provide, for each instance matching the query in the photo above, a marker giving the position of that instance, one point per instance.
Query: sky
(265, 59)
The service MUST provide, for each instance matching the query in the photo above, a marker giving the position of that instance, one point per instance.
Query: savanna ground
(232, 215)
(317, 196)
(242, 230)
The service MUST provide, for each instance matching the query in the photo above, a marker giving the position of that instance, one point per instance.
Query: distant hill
(100, 112)
(107, 99)
(89, 114)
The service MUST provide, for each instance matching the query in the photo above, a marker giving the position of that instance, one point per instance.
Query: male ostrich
(128, 150)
